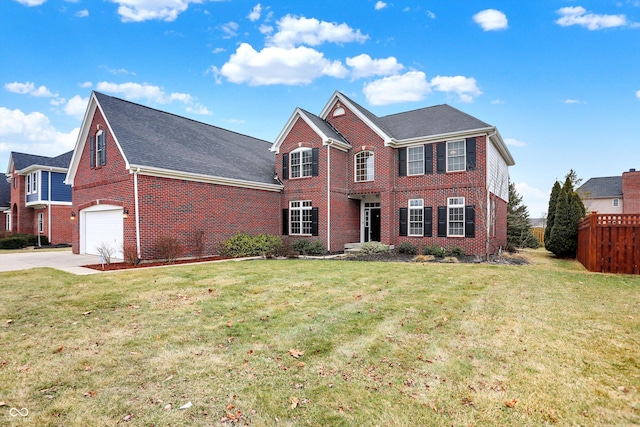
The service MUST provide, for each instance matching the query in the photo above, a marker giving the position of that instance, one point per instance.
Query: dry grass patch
(382, 343)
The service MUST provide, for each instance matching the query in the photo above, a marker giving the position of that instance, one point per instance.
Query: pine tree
(563, 233)
(551, 212)
(519, 234)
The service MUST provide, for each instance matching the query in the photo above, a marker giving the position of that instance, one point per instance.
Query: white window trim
(301, 164)
(32, 182)
(301, 206)
(418, 205)
(450, 206)
(8, 221)
(370, 174)
(464, 160)
(40, 222)
(97, 150)
(421, 148)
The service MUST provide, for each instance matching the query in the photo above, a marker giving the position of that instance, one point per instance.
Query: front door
(371, 222)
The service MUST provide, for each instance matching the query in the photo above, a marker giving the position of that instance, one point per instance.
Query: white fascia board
(338, 145)
(34, 168)
(337, 96)
(85, 130)
(9, 167)
(497, 140)
(285, 131)
(440, 137)
(188, 176)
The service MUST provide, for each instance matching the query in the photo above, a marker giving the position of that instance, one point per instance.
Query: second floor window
(415, 160)
(301, 163)
(364, 166)
(32, 183)
(456, 159)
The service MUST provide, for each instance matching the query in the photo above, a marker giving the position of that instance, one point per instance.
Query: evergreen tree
(563, 234)
(519, 234)
(551, 212)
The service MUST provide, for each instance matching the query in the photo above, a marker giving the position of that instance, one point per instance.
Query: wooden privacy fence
(610, 243)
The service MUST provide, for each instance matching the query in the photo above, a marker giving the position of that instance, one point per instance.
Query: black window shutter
(428, 159)
(403, 221)
(469, 221)
(471, 154)
(314, 162)
(440, 157)
(314, 221)
(428, 221)
(442, 221)
(92, 152)
(285, 222)
(285, 166)
(402, 162)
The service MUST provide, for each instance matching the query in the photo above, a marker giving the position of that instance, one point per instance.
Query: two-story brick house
(433, 176)
(40, 200)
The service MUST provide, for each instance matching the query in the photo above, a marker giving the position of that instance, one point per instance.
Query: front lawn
(321, 343)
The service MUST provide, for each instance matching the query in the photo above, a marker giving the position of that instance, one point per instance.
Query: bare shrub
(168, 248)
(106, 252)
(130, 253)
(198, 242)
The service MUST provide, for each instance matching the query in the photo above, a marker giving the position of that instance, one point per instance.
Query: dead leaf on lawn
(186, 405)
(128, 417)
(294, 402)
(230, 323)
(301, 365)
(86, 313)
(90, 393)
(295, 353)
(168, 407)
(133, 306)
(8, 322)
(59, 349)
(510, 403)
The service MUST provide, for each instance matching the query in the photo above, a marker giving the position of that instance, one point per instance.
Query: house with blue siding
(40, 201)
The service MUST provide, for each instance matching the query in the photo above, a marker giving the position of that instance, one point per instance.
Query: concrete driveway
(61, 260)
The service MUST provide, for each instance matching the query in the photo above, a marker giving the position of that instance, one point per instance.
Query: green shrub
(434, 250)
(244, 245)
(13, 242)
(308, 247)
(373, 248)
(407, 248)
(457, 251)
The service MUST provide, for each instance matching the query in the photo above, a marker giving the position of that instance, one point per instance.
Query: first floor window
(456, 159)
(415, 160)
(40, 222)
(455, 216)
(416, 219)
(8, 222)
(300, 217)
(364, 166)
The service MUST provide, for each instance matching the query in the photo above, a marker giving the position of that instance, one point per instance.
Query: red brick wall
(22, 221)
(60, 224)
(631, 192)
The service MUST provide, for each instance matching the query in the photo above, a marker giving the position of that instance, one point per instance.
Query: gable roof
(603, 187)
(321, 127)
(23, 161)
(158, 142)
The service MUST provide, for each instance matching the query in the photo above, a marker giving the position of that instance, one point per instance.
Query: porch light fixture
(125, 213)
(73, 216)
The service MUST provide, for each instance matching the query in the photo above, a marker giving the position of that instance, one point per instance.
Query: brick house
(432, 176)
(612, 194)
(138, 173)
(40, 201)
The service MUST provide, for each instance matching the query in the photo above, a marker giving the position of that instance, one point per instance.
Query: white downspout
(329, 197)
(49, 196)
(135, 195)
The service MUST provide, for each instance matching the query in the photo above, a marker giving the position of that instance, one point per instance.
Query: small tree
(551, 212)
(569, 209)
(519, 234)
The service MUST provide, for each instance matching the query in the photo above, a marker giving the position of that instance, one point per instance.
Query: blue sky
(559, 78)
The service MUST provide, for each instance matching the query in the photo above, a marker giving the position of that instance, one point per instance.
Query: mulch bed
(126, 266)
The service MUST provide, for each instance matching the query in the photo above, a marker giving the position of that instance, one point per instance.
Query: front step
(352, 247)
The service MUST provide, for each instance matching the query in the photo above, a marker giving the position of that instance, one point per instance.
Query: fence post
(594, 245)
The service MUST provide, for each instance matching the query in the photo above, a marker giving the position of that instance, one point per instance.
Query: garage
(101, 225)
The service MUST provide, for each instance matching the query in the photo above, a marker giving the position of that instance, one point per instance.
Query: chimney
(631, 192)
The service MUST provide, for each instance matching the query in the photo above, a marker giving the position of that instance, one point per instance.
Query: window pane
(415, 159)
(364, 166)
(456, 156)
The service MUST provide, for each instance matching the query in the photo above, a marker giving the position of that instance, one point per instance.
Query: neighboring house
(139, 174)
(40, 200)
(432, 176)
(5, 202)
(612, 194)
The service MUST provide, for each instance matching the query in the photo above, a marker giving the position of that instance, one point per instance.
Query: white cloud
(497, 102)
(638, 94)
(293, 31)
(380, 5)
(514, 142)
(199, 109)
(135, 91)
(364, 66)
(572, 101)
(144, 10)
(83, 13)
(76, 106)
(277, 65)
(230, 29)
(578, 16)
(537, 201)
(33, 133)
(29, 88)
(465, 87)
(491, 20)
(255, 13)
(266, 29)
(408, 87)
(31, 2)
(431, 14)
(86, 84)
(219, 50)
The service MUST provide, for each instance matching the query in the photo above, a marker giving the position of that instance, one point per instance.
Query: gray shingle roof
(603, 187)
(157, 139)
(23, 160)
(325, 127)
(436, 120)
(5, 193)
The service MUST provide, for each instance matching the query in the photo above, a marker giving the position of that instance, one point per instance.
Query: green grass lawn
(376, 344)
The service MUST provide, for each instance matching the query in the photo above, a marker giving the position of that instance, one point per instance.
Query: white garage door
(101, 227)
